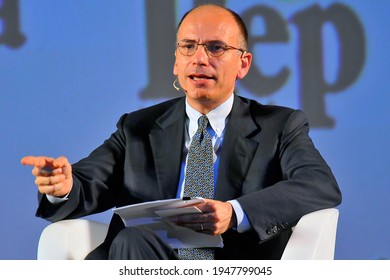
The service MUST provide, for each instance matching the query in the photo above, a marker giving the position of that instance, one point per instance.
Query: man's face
(209, 81)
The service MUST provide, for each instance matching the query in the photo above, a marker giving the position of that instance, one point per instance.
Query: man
(267, 171)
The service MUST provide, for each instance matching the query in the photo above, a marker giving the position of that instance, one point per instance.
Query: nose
(201, 56)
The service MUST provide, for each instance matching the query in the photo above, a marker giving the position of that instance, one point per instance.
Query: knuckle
(34, 171)
(43, 190)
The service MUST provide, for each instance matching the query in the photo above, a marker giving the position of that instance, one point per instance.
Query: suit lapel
(166, 139)
(238, 150)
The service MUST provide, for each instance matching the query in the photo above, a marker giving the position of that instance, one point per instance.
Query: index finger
(37, 161)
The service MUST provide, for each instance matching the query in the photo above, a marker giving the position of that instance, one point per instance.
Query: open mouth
(200, 77)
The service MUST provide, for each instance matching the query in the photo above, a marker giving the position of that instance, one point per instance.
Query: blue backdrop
(69, 69)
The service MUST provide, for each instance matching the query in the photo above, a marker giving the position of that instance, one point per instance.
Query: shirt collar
(217, 117)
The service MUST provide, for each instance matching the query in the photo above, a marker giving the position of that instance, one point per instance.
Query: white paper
(178, 211)
(152, 215)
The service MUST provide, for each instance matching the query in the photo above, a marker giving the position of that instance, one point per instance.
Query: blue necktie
(199, 180)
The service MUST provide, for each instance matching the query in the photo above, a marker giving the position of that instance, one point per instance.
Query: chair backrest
(314, 237)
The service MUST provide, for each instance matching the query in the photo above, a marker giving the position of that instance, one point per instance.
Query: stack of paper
(152, 215)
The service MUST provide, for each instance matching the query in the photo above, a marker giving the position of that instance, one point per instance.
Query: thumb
(63, 163)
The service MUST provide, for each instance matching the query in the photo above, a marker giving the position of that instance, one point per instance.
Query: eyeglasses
(212, 48)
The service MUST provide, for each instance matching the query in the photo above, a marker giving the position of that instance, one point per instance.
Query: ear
(246, 61)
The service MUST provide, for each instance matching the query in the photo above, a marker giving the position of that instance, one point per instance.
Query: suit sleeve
(307, 183)
(94, 180)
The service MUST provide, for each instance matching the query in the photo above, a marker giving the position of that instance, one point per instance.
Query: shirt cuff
(243, 223)
(56, 199)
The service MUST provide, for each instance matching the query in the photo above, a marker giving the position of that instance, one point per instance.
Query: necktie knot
(203, 121)
(202, 132)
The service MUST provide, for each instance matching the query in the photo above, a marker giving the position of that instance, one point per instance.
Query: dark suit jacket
(268, 163)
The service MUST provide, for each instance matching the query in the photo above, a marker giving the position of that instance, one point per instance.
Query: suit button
(274, 229)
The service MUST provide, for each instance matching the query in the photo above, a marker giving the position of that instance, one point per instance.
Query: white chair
(313, 238)
(70, 239)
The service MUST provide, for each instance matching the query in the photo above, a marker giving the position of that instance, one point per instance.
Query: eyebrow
(211, 41)
(187, 41)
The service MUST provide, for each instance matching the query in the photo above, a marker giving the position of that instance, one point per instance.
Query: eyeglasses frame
(225, 48)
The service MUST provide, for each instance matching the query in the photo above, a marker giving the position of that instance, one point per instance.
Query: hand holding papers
(152, 215)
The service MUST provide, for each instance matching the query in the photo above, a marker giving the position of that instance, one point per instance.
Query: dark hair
(237, 18)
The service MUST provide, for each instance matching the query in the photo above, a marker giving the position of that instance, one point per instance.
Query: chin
(200, 93)
(201, 98)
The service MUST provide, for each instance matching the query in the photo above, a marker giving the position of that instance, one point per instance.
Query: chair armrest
(70, 239)
(313, 237)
